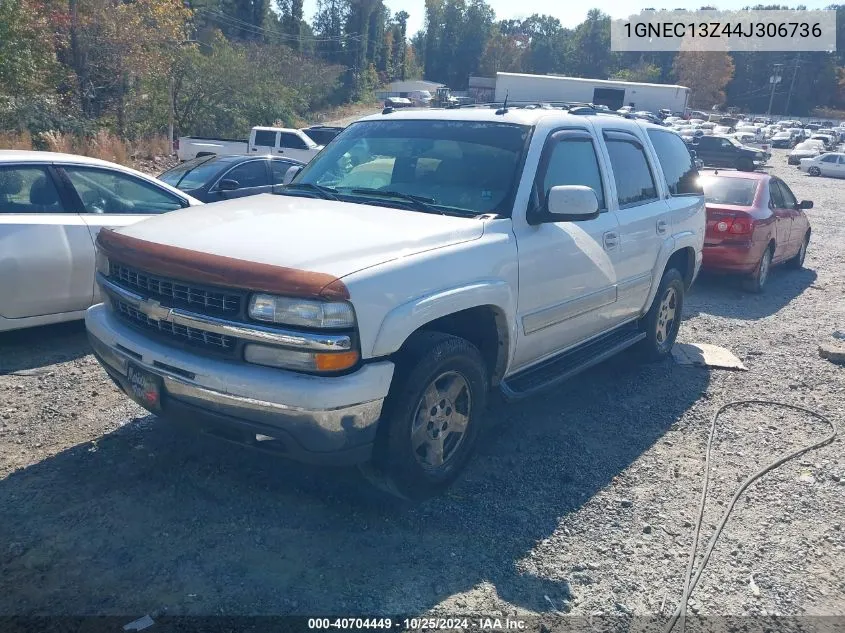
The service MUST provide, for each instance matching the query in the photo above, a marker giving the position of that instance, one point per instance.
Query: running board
(563, 366)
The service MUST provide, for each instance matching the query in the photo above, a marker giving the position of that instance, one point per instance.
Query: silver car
(51, 208)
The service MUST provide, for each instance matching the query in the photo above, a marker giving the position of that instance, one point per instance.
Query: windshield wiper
(420, 203)
(326, 193)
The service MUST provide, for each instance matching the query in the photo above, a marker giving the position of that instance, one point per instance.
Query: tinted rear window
(677, 163)
(188, 177)
(736, 191)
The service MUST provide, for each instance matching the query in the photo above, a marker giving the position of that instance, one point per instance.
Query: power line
(232, 21)
(792, 84)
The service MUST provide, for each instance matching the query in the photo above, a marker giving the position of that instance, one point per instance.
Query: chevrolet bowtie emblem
(154, 310)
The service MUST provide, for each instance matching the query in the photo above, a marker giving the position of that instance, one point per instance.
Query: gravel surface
(581, 502)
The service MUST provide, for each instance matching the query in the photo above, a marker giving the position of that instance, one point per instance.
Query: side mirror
(572, 203)
(693, 154)
(290, 174)
(227, 184)
(805, 204)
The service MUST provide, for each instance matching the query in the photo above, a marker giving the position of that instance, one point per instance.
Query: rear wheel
(431, 417)
(663, 320)
(798, 260)
(814, 171)
(757, 281)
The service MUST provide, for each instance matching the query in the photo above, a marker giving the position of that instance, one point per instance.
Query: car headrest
(11, 182)
(43, 193)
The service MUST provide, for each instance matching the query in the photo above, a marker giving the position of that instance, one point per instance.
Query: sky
(570, 14)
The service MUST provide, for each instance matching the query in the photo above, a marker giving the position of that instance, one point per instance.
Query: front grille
(198, 338)
(177, 293)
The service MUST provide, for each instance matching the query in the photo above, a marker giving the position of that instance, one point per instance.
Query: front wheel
(432, 416)
(814, 171)
(663, 320)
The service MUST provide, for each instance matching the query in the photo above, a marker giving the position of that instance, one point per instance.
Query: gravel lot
(582, 501)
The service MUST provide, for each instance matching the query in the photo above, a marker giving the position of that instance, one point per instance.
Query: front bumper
(315, 419)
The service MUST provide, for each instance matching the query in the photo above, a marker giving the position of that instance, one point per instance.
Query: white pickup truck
(287, 142)
(422, 260)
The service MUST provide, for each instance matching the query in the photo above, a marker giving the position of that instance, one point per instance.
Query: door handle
(281, 151)
(662, 225)
(610, 240)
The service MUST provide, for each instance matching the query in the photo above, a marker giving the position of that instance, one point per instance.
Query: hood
(337, 238)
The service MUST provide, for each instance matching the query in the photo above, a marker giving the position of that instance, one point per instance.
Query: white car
(51, 208)
(805, 149)
(744, 137)
(832, 164)
(365, 312)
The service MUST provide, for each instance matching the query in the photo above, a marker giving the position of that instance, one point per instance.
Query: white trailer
(519, 87)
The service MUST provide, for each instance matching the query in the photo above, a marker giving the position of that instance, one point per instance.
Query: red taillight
(732, 225)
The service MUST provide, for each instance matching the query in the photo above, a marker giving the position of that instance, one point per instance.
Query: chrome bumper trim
(254, 333)
(337, 420)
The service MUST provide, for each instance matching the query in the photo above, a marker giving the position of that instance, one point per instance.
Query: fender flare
(667, 249)
(407, 318)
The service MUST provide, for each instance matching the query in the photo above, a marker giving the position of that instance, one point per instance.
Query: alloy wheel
(441, 419)
(666, 316)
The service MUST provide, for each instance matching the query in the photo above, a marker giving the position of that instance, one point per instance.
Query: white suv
(421, 260)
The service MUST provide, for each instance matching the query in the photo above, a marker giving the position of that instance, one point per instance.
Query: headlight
(290, 311)
(103, 264)
(299, 361)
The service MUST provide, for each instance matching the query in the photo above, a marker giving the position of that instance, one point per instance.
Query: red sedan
(753, 222)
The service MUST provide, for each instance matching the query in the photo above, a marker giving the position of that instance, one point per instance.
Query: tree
(706, 73)
(589, 48)
(503, 53)
(642, 71)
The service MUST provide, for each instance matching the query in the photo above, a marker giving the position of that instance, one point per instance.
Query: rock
(646, 529)
(833, 350)
(807, 478)
(626, 503)
(624, 608)
(687, 523)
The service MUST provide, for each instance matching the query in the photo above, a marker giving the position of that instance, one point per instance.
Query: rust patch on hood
(218, 270)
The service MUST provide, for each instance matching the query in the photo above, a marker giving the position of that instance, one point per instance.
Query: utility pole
(774, 80)
(792, 83)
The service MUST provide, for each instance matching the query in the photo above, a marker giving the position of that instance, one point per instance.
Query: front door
(46, 252)
(294, 146)
(112, 199)
(252, 178)
(797, 227)
(567, 270)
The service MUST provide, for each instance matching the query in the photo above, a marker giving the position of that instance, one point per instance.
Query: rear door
(642, 214)
(829, 165)
(798, 223)
(46, 251)
(263, 142)
(783, 222)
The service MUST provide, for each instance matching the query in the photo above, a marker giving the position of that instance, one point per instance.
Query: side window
(634, 181)
(726, 143)
(678, 167)
(265, 138)
(775, 195)
(107, 191)
(28, 190)
(830, 158)
(249, 174)
(278, 169)
(574, 162)
(790, 202)
(292, 141)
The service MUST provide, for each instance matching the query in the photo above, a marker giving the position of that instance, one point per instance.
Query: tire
(448, 375)
(745, 164)
(756, 283)
(797, 262)
(814, 171)
(663, 320)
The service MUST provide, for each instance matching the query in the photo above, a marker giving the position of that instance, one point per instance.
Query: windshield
(466, 166)
(191, 174)
(722, 190)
